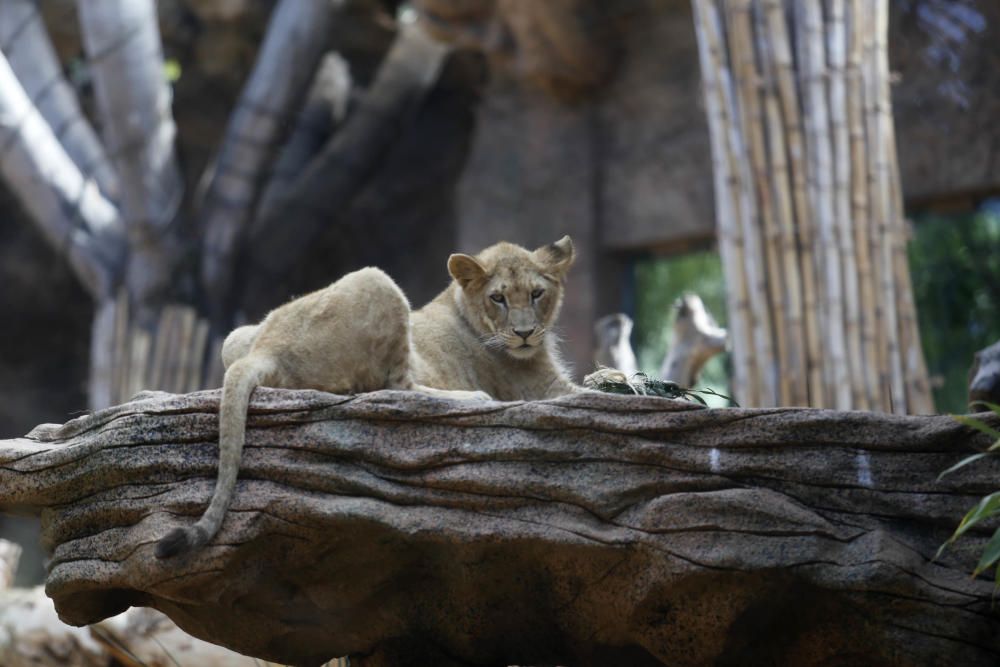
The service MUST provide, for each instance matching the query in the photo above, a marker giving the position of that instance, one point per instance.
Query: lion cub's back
(349, 337)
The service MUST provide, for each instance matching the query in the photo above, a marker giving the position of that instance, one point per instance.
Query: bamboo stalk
(166, 336)
(821, 168)
(797, 367)
(100, 387)
(138, 362)
(198, 358)
(915, 378)
(883, 390)
(156, 364)
(10, 556)
(760, 229)
(728, 231)
(121, 354)
(214, 369)
(187, 318)
(860, 215)
(843, 224)
(920, 398)
(784, 72)
(760, 364)
(879, 146)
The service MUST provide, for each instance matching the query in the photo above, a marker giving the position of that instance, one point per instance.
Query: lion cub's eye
(537, 294)
(497, 298)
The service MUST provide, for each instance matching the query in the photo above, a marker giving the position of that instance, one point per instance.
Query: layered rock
(587, 530)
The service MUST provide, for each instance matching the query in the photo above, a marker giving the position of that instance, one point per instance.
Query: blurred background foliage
(955, 264)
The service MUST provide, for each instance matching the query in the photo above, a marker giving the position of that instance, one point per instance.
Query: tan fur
(359, 335)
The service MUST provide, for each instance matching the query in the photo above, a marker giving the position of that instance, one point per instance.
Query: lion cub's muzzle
(523, 342)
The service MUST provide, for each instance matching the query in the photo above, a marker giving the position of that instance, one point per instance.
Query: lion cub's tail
(245, 375)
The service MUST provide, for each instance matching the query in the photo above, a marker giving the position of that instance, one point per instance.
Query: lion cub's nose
(524, 333)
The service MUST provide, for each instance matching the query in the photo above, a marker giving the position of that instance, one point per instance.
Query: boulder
(594, 529)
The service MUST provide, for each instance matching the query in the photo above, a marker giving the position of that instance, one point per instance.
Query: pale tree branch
(696, 339)
(25, 42)
(122, 41)
(296, 39)
(326, 188)
(69, 209)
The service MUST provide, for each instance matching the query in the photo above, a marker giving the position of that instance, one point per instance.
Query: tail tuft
(179, 541)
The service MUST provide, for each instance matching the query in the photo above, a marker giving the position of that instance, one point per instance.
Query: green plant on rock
(988, 506)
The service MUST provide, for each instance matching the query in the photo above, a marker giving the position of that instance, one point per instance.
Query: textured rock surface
(587, 530)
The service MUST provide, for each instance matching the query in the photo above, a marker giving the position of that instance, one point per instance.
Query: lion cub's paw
(476, 396)
(456, 394)
(604, 376)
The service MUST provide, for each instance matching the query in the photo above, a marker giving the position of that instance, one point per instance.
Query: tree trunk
(122, 41)
(297, 37)
(69, 209)
(587, 530)
(808, 204)
(25, 42)
(331, 181)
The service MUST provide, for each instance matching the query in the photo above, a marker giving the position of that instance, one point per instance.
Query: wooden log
(592, 529)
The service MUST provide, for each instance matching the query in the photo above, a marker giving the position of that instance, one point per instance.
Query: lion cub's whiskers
(493, 341)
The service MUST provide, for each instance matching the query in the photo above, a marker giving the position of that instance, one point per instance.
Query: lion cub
(484, 336)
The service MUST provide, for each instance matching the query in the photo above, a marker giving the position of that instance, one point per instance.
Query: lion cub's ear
(465, 269)
(556, 257)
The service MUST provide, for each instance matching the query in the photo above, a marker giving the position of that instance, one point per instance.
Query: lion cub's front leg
(455, 394)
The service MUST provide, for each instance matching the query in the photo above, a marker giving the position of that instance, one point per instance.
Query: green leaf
(690, 394)
(978, 425)
(964, 462)
(712, 392)
(991, 554)
(986, 508)
(171, 70)
(986, 404)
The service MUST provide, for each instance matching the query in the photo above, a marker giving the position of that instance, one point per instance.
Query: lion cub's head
(510, 295)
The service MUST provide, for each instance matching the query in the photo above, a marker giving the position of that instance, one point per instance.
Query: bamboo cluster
(809, 208)
(176, 355)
